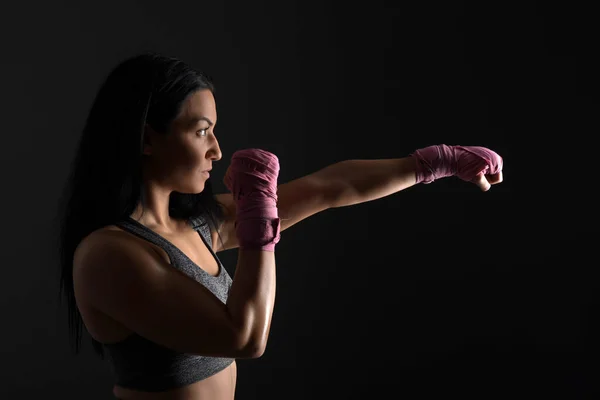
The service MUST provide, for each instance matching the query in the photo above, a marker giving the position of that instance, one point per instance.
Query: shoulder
(96, 238)
(103, 242)
(109, 257)
(101, 235)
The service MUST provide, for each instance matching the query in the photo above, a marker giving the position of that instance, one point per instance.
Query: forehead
(198, 104)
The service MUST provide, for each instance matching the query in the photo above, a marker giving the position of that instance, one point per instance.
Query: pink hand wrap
(252, 179)
(466, 162)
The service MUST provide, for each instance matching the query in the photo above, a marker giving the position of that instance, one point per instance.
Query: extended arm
(352, 182)
(337, 185)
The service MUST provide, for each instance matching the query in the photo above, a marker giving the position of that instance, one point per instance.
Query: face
(179, 159)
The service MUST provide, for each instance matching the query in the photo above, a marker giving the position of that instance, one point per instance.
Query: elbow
(252, 349)
(251, 339)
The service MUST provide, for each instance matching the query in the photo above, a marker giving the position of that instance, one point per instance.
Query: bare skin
(175, 162)
(104, 329)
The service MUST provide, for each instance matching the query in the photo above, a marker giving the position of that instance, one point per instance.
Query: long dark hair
(104, 185)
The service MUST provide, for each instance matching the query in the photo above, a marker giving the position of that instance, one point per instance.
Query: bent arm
(132, 284)
(252, 298)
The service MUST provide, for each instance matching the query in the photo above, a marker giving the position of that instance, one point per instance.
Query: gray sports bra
(141, 364)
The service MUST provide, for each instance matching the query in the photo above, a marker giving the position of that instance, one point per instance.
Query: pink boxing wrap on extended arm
(252, 179)
(466, 162)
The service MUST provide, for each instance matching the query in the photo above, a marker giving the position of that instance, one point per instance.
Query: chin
(200, 189)
(194, 190)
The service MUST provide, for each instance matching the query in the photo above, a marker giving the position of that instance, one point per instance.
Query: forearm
(251, 299)
(359, 181)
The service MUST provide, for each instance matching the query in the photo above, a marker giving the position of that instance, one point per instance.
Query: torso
(104, 329)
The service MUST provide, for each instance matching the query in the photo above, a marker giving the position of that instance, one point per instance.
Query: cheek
(187, 156)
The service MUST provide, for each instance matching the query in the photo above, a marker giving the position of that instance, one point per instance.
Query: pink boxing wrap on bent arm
(252, 179)
(466, 162)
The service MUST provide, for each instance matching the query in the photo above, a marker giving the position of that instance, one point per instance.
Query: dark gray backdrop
(441, 289)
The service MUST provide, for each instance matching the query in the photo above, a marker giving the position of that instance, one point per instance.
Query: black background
(440, 290)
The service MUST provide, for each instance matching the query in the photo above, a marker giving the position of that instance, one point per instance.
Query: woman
(140, 229)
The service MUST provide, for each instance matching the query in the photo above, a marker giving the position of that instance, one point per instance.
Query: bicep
(132, 285)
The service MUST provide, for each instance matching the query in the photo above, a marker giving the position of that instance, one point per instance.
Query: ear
(149, 135)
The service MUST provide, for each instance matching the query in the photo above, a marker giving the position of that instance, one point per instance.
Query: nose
(214, 152)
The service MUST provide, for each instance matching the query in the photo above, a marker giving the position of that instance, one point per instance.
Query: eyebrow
(195, 120)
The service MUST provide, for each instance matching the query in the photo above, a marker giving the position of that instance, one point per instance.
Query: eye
(204, 132)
